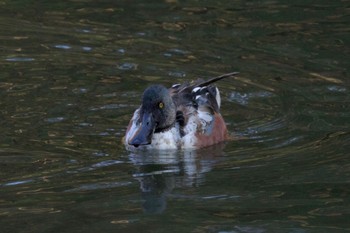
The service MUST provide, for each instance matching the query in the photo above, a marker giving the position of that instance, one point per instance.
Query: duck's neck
(164, 129)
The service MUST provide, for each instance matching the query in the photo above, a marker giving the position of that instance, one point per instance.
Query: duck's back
(198, 109)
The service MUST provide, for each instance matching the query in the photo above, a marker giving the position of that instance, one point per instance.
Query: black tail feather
(212, 80)
(188, 87)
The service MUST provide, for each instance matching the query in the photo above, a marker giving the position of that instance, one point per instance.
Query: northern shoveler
(185, 116)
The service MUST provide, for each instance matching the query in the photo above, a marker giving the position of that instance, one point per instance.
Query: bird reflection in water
(160, 172)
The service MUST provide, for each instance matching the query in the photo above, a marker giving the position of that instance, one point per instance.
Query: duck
(184, 116)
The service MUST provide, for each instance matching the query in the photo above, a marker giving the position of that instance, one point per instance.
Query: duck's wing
(199, 93)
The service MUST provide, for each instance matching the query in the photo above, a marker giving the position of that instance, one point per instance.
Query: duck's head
(157, 113)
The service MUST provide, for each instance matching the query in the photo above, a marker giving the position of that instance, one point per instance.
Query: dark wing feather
(177, 88)
(183, 95)
(215, 79)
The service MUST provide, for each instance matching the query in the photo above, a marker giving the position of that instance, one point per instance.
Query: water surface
(73, 72)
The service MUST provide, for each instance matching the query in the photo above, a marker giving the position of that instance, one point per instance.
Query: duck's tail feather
(215, 79)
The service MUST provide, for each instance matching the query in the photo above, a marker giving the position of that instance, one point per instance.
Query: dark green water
(73, 72)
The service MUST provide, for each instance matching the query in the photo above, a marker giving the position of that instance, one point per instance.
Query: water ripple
(63, 46)
(289, 141)
(27, 115)
(106, 163)
(336, 89)
(175, 51)
(177, 74)
(122, 51)
(22, 87)
(97, 186)
(55, 119)
(272, 125)
(19, 182)
(20, 59)
(243, 98)
(127, 66)
(98, 165)
(109, 107)
(86, 48)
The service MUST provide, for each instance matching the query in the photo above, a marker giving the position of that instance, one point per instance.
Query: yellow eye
(161, 105)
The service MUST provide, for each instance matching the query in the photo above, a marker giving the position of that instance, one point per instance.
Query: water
(73, 72)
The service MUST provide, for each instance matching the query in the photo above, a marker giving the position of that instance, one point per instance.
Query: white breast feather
(166, 140)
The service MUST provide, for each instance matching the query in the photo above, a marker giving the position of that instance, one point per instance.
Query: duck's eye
(161, 105)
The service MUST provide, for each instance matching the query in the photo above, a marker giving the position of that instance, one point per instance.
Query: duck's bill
(143, 135)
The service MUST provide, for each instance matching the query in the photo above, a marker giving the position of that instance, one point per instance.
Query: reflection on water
(160, 172)
(73, 73)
